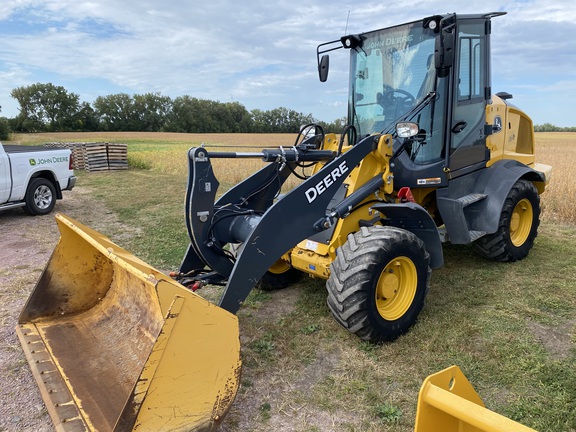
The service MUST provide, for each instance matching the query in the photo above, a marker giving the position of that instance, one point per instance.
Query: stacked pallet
(78, 152)
(117, 156)
(96, 156)
(79, 155)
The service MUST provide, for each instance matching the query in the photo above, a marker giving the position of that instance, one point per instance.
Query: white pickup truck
(34, 177)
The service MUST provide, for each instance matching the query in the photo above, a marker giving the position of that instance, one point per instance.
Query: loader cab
(434, 72)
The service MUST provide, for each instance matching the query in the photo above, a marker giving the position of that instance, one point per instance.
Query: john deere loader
(430, 155)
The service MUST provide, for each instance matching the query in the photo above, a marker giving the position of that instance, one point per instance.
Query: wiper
(418, 107)
(415, 109)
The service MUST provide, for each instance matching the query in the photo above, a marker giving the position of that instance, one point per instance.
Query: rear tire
(518, 226)
(378, 282)
(40, 197)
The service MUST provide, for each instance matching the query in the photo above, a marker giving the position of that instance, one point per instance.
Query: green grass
(151, 201)
(480, 315)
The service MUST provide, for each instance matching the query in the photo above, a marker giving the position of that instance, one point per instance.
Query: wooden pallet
(117, 156)
(96, 156)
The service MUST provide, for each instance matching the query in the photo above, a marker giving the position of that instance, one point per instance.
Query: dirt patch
(556, 340)
(26, 243)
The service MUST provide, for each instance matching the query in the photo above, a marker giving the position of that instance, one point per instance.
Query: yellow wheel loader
(429, 155)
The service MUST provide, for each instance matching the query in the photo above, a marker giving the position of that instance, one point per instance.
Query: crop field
(559, 150)
(166, 153)
(509, 326)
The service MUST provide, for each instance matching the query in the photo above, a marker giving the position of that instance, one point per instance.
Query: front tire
(281, 275)
(378, 282)
(517, 228)
(40, 197)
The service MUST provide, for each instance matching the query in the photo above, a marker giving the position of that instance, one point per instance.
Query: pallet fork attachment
(115, 345)
(448, 402)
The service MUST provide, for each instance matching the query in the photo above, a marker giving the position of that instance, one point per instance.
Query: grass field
(510, 327)
(166, 153)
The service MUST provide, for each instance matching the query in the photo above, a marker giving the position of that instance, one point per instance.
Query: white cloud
(257, 52)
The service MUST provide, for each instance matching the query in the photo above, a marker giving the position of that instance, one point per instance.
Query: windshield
(391, 72)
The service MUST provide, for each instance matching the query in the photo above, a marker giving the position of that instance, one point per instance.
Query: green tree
(229, 117)
(60, 107)
(46, 107)
(279, 120)
(151, 111)
(86, 118)
(183, 117)
(4, 129)
(116, 112)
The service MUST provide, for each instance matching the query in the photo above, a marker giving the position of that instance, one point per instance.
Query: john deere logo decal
(51, 160)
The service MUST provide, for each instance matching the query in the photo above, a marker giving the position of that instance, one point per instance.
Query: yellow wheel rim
(396, 288)
(280, 267)
(521, 222)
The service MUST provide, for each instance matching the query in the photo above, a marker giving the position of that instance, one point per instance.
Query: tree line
(549, 127)
(51, 108)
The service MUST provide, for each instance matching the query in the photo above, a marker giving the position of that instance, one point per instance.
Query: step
(466, 200)
(475, 235)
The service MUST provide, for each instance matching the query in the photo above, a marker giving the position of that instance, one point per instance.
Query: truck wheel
(280, 275)
(378, 282)
(40, 197)
(518, 226)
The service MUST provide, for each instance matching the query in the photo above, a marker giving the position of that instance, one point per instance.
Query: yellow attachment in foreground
(115, 345)
(447, 402)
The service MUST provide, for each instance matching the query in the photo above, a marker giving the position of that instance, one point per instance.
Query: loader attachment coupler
(249, 214)
(115, 345)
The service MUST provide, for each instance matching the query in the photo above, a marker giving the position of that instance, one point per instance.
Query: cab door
(467, 149)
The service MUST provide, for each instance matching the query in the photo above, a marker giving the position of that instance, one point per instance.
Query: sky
(262, 53)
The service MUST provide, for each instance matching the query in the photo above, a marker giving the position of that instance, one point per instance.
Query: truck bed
(14, 148)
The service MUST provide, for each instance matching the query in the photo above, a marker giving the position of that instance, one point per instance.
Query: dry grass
(559, 150)
(166, 153)
(240, 139)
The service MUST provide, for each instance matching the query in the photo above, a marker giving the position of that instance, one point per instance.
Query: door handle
(459, 127)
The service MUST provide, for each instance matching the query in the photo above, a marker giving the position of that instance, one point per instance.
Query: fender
(48, 175)
(414, 218)
(473, 203)
(495, 182)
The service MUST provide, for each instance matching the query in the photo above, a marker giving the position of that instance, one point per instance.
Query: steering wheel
(396, 97)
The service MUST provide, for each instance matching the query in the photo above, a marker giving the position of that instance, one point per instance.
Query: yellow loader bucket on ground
(447, 402)
(115, 345)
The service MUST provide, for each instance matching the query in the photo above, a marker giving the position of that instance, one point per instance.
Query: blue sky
(261, 53)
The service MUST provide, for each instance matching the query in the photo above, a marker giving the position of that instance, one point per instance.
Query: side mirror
(323, 67)
(407, 129)
(444, 53)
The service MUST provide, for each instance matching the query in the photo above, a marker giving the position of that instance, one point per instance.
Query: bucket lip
(59, 402)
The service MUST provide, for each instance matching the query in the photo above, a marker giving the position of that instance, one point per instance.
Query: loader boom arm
(267, 233)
